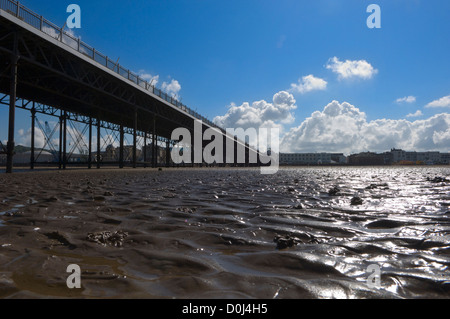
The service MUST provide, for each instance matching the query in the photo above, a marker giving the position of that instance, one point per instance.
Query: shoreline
(26, 169)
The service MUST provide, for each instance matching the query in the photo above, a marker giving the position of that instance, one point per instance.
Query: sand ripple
(226, 233)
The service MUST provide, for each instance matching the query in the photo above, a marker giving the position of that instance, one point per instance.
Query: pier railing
(67, 37)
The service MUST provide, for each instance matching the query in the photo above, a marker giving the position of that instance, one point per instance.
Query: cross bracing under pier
(46, 70)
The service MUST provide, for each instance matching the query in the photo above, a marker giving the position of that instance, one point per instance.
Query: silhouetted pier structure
(46, 70)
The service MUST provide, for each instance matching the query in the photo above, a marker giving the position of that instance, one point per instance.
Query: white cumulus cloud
(308, 83)
(442, 102)
(153, 79)
(172, 88)
(260, 113)
(351, 69)
(342, 127)
(416, 114)
(24, 138)
(406, 99)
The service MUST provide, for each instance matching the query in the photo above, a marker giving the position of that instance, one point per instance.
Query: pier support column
(154, 144)
(61, 129)
(122, 134)
(98, 143)
(192, 148)
(156, 150)
(135, 120)
(33, 129)
(12, 106)
(90, 144)
(144, 149)
(65, 140)
(168, 153)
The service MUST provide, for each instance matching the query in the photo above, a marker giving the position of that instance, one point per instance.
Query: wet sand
(226, 233)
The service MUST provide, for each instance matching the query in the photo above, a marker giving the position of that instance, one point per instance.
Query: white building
(25, 158)
(426, 157)
(445, 158)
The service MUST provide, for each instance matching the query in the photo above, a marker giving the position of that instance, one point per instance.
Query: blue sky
(237, 52)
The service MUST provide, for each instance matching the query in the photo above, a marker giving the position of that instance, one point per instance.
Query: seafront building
(394, 156)
(445, 158)
(425, 157)
(111, 154)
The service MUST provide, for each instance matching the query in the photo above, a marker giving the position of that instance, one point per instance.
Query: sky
(313, 69)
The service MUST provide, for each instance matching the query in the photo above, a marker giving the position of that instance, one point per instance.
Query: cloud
(71, 40)
(309, 83)
(172, 88)
(260, 113)
(76, 141)
(406, 99)
(442, 102)
(153, 79)
(351, 69)
(343, 128)
(24, 138)
(51, 32)
(417, 114)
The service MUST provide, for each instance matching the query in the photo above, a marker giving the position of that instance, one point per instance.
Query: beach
(226, 233)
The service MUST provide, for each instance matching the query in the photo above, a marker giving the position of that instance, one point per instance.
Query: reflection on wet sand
(203, 233)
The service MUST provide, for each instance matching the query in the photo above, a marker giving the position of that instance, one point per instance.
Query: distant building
(111, 154)
(445, 158)
(430, 158)
(148, 150)
(312, 158)
(78, 158)
(40, 157)
(368, 158)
